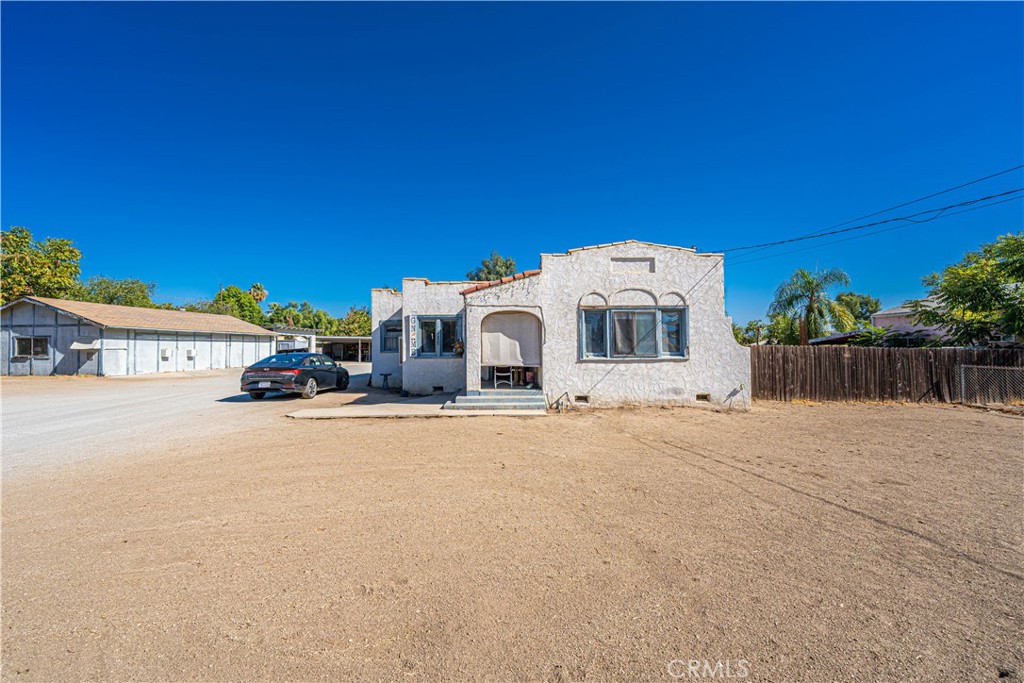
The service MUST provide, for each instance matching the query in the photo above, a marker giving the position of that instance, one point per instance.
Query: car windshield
(281, 360)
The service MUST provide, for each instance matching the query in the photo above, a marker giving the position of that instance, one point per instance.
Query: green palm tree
(258, 292)
(805, 296)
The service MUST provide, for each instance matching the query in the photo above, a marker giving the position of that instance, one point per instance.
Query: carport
(345, 348)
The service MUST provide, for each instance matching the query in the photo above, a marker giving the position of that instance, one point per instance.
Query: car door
(328, 375)
(309, 369)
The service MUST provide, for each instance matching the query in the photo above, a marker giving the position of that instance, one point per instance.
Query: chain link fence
(986, 384)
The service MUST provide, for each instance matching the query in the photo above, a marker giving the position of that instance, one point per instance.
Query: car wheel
(344, 383)
(257, 394)
(309, 391)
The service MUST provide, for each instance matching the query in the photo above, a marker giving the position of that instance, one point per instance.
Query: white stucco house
(622, 323)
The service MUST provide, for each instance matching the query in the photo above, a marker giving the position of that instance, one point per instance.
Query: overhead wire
(908, 221)
(913, 201)
(910, 224)
(939, 211)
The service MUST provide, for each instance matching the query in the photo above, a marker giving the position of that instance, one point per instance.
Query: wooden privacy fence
(850, 373)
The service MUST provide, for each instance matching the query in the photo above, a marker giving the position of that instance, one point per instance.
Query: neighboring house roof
(904, 309)
(838, 338)
(132, 317)
(493, 283)
(290, 329)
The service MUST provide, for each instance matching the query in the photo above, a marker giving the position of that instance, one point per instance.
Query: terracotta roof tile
(505, 280)
(132, 317)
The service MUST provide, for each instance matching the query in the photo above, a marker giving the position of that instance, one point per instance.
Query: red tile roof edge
(502, 281)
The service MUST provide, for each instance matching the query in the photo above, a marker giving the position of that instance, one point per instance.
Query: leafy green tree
(753, 331)
(979, 298)
(241, 302)
(258, 292)
(751, 334)
(126, 292)
(805, 296)
(493, 268)
(880, 336)
(303, 314)
(862, 306)
(217, 307)
(42, 268)
(783, 329)
(356, 323)
(1009, 253)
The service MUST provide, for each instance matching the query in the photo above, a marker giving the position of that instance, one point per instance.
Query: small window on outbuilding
(391, 333)
(32, 347)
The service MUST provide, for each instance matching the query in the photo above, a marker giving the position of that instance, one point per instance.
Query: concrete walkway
(396, 406)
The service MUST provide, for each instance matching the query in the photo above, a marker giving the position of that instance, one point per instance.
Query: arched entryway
(510, 350)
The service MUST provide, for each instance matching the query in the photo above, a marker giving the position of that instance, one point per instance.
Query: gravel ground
(812, 542)
(51, 421)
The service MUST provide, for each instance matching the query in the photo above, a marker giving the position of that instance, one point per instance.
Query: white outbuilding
(42, 336)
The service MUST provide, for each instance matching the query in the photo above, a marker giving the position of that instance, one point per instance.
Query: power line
(921, 199)
(900, 206)
(870, 234)
(909, 218)
(941, 213)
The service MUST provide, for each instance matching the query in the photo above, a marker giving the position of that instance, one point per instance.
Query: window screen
(35, 347)
(672, 332)
(449, 334)
(594, 338)
(428, 336)
(437, 336)
(391, 336)
(632, 333)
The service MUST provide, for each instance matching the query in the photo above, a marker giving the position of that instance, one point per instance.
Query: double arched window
(633, 324)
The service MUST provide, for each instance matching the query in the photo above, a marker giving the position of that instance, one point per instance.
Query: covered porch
(349, 349)
(510, 350)
(504, 351)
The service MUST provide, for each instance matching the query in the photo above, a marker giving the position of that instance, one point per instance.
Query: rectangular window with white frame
(31, 347)
(390, 336)
(633, 333)
(438, 336)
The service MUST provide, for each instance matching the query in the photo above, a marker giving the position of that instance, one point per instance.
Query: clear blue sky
(324, 149)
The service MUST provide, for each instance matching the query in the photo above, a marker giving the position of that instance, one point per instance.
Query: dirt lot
(834, 542)
(62, 420)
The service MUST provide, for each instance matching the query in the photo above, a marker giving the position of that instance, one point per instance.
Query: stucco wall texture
(623, 274)
(423, 299)
(386, 306)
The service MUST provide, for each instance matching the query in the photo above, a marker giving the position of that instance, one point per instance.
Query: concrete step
(498, 399)
(539, 399)
(452, 405)
(505, 392)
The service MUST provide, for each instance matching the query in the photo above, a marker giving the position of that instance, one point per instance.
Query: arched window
(620, 332)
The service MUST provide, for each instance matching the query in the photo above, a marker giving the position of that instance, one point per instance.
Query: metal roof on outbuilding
(136, 318)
